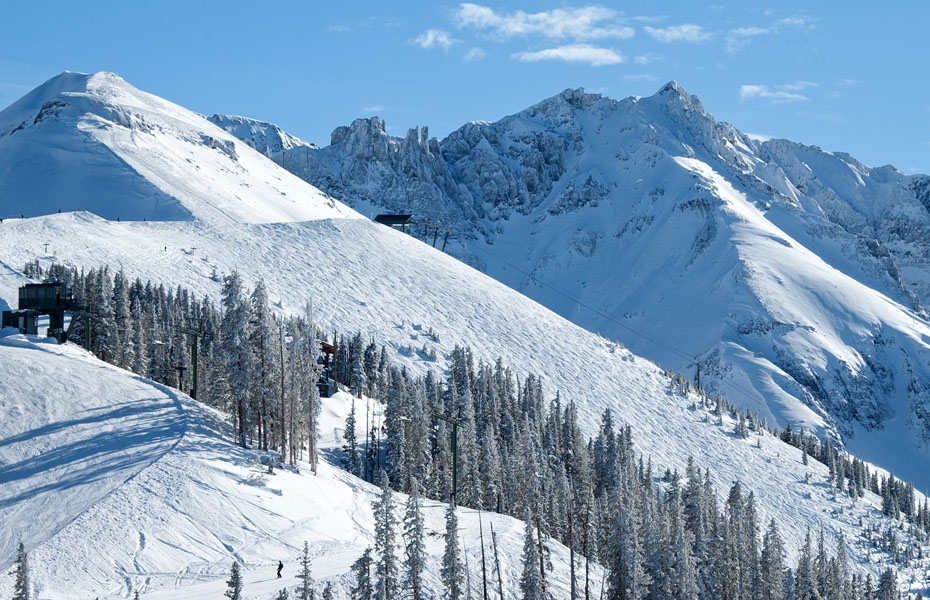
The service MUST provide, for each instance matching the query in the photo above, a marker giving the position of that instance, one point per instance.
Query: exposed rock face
(796, 277)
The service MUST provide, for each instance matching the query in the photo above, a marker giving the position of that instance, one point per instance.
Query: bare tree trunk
(542, 569)
(571, 552)
(484, 571)
(497, 564)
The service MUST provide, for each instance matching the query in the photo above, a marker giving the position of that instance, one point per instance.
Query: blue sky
(848, 76)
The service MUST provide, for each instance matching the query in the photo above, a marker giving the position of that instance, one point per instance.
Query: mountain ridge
(550, 197)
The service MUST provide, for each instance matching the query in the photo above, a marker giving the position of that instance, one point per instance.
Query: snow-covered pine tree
(683, 569)
(805, 576)
(234, 349)
(234, 583)
(123, 321)
(350, 459)
(305, 589)
(887, 586)
(356, 360)
(361, 570)
(772, 565)
(531, 586)
(282, 595)
(386, 577)
(21, 587)
(415, 561)
(452, 571)
(328, 591)
(261, 361)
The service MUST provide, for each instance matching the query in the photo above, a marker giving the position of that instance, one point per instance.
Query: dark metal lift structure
(402, 221)
(51, 298)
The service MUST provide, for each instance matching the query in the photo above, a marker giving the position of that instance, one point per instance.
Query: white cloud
(575, 53)
(777, 96)
(373, 109)
(578, 24)
(474, 54)
(433, 38)
(645, 59)
(739, 38)
(679, 33)
(797, 86)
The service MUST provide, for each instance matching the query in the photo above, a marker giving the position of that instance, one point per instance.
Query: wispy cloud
(740, 37)
(645, 59)
(640, 77)
(848, 82)
(679, 33)
(474, 54)
(797, 86)
(823, 116)
(338, 29)
(435, 38)
(373, 109)
(648, 19)
(574, 53)
(578, 24)
(764, 92)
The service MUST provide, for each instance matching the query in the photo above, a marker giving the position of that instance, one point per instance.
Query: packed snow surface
(116, 484)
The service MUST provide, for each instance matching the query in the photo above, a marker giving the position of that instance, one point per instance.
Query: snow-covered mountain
(92, 142)
(356, 276)
(796, 278)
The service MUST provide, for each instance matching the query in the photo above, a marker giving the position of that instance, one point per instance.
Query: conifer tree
(361, 569)
(21, 588)
(531, 587)
(805, 576)
(453, 571)
(234, 583)
(350, 459)
(887, 586)
(772, 565)
(328, 591)
(234, 334)
(305, 589)
(386, 578)
(415, 562)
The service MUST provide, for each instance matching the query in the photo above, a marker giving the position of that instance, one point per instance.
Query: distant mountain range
(796, 279)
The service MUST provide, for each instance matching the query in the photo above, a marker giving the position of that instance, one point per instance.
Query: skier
(280, 566)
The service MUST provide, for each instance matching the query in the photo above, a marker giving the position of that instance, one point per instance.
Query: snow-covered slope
(94, 142)
(364, 277)
(796, 278)
(116, 484)
(360, 276)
